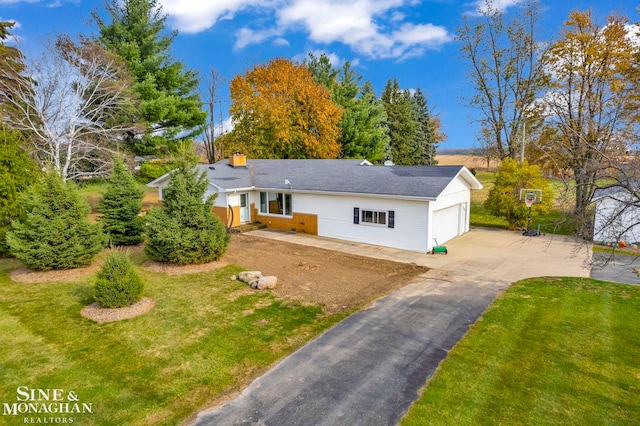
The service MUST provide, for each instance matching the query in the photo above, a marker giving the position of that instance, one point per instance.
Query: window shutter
(356, 215)
(392, 219)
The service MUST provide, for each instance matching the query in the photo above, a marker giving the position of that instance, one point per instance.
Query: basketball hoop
(530, 197)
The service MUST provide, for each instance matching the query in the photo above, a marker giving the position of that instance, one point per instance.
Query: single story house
(405, 207)
(617, 215)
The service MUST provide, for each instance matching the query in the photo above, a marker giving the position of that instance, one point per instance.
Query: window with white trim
(278, 203)
(371, 216)
(374, 217)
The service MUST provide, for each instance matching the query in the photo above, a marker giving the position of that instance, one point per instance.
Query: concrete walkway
(368, 369)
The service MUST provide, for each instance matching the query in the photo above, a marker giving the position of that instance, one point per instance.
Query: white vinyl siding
(336, 219)
(616, 221)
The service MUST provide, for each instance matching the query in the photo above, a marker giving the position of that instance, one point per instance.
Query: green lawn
(549, 351)
(207, 336)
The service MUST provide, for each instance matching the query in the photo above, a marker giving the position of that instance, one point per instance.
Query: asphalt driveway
(367, 370)
(619, 268)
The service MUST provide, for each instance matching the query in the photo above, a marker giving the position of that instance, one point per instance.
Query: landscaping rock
(249, 276)
(257, 281)
(267, 282)
(233, 278)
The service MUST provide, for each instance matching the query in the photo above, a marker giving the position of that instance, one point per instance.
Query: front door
(245, 213)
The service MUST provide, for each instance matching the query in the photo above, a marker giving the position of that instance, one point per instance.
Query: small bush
(118, 284)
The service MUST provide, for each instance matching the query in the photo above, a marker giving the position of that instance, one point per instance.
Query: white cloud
(633, 34)
(246, 36)
(480, 6)
(359, 25)
(56, 3)
(195, 16)
(373, 28)
(280, 42)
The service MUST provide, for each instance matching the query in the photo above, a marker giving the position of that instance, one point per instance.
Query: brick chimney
(238, 160)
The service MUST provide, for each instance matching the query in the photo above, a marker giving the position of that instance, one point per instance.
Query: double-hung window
(278, 203)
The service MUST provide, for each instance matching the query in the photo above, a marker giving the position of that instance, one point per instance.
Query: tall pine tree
(170, 104)
(363, 131)
(427, 134)
(120, 207)
(364, 128)
(403, 125)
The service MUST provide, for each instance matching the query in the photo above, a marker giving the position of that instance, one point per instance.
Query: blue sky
(410, 40)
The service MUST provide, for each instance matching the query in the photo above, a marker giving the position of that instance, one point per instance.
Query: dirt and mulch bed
(101, 315)
(338, 281)
(30, 276)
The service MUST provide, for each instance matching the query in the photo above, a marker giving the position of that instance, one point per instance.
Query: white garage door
(446, 223)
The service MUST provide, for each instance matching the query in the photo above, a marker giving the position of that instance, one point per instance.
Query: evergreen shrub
(186, 231)
(54, 232)
(17, 171)
(120, 207)
(117, 284)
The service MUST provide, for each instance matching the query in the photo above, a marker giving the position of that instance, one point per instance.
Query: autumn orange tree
(590, 104)
(279, 111)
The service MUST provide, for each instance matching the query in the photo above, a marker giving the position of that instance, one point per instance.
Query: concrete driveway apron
(367, 370)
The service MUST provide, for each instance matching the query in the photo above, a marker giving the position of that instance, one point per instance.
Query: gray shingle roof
(338, 176)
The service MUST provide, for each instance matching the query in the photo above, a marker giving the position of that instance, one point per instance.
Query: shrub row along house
(405, 207)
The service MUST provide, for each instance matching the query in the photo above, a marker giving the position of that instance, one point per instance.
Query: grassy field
(206, 337)
(470, 161)
(549, 351)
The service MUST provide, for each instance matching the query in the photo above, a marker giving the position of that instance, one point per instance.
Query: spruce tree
(169, 100)
(17, 171)
(403, 124)
(363, 129)
(426, 142)
(54, 232)
(117, 283)
(120, 207)
(185, 231)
